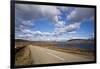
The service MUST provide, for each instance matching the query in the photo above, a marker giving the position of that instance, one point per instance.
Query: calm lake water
(90, 46)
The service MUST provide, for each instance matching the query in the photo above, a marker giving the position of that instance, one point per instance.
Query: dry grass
(22, 57)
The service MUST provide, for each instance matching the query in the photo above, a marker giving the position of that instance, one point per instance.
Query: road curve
(40, 55)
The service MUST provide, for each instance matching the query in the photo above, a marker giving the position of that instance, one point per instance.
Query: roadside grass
(22, 57)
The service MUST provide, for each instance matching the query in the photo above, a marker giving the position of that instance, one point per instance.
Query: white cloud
(77, 37)
(27, 23)
(60, 24)
(28, 12)
(24, 36)
(26, 31)
(49, 38)
(32, 12)
(68, 28)
(79, 14)
(72, 27)
(73, 32)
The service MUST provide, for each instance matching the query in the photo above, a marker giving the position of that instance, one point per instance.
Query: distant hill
(37, 43)
(46, 43)
(80, 41)
(21, 40)
(69, 41)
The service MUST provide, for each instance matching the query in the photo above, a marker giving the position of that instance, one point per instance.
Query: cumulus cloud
(27, 23)
(28, 12)
(27, 33)
(69, 28)
(27, 36)
(60, 24)
(78, 37)
(80, 13)
(31, 32)
(72, 27)
(25, 14)
(22, 24)
(39, 36)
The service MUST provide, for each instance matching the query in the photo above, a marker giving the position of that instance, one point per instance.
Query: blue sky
(53, 23)
(44, 25)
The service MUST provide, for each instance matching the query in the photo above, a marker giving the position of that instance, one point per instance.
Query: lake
(88, 46)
